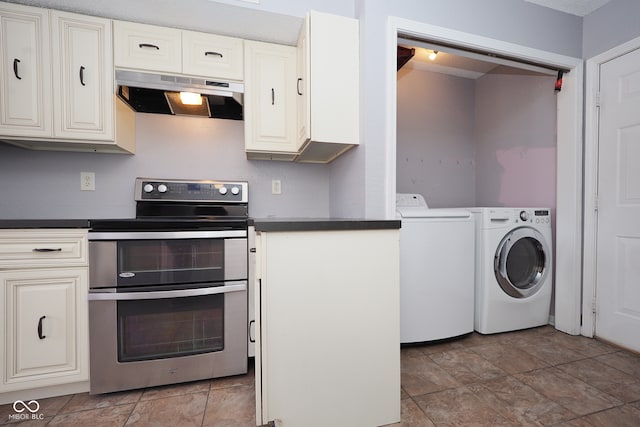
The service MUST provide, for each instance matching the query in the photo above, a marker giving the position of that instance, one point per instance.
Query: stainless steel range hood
(159, 94)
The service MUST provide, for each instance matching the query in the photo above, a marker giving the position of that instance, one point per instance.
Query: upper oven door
(120, 259)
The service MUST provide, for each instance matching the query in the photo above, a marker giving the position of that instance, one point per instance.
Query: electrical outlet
(276, 186)
(87, 181)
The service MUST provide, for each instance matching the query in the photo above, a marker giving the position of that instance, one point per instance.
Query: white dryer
(437, 256)
(513, 268)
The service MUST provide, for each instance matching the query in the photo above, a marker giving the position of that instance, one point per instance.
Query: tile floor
(534, 377)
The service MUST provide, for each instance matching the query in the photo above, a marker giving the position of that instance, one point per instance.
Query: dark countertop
(44, 223)
(321, 224)
(261, 224)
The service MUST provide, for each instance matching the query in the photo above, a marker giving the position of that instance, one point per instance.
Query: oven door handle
(164, 235)
(117, 296)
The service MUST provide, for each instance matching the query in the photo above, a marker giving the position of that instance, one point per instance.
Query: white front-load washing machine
(437, 254)
(513, 268)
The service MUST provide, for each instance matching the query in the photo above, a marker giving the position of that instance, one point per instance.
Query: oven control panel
(176, 190)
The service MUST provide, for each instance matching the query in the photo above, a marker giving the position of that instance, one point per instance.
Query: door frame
(591, 179)
(569, 233)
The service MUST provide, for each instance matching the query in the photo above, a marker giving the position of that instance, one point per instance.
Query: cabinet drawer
(209, 55)
(42, 248)
(147, 47)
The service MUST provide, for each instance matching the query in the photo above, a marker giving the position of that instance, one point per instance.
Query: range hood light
(433, 54)
(190, 98)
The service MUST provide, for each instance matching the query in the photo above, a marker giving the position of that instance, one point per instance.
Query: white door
(618, 242)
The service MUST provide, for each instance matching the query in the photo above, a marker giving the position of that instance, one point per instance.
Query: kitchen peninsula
(327, 322)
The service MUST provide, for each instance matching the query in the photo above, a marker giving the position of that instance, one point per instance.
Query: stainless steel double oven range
(168, 289)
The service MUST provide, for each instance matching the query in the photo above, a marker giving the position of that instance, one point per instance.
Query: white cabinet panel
(270, 116)
(41, 310)
(327, 308)
(82, 64)
(25, 80)
(329, 95)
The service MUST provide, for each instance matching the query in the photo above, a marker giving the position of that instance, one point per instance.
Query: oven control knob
(222, 190)
(162, 188)
(148, 188)
(235, 191)
(524, 215)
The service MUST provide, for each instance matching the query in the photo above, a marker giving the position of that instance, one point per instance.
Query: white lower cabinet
(43, 312)
(328, 328)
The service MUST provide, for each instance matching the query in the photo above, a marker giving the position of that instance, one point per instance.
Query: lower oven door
(144, 339)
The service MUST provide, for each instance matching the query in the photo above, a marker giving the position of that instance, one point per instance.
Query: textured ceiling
(574, 7)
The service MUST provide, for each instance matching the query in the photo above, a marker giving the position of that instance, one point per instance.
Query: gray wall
(40, 184)
(484, 142)
(354, 184)
(435, 138)
(611, 25)
(515, 124)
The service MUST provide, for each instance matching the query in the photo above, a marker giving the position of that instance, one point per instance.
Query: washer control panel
(537, 216)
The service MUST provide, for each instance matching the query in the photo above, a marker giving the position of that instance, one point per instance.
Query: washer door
(522, 262)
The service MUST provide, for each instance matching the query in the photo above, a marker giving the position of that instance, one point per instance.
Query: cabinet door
(270, 116)
(333, 69)
(147, 47)
(44, 321)
(83, 68)
(299, 295)
(25, 81)
(209, 55)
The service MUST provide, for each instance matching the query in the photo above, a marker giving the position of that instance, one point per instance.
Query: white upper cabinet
(170, 50)
(147, 47)
(328, 86)
(270, 103)
(56, 84)
(212, 55)
(83, 100)
(25, 79)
